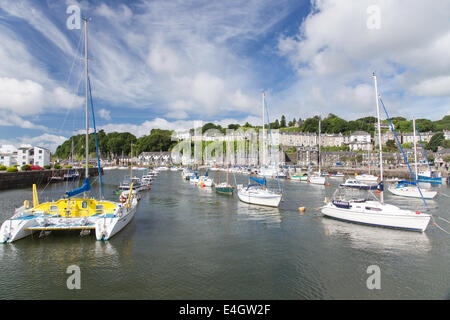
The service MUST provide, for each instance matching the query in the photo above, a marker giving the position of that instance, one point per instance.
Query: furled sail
(85, 187)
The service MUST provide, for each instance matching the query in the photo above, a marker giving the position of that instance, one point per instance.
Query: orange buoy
(301, 209)
(329, 184)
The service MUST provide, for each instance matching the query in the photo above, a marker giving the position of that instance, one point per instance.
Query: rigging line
(96, 141)
(404, 156)
(75, 56)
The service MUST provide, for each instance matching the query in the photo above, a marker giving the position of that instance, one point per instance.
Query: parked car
(32, 167)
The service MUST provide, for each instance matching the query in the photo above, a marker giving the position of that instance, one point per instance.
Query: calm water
(189, 243)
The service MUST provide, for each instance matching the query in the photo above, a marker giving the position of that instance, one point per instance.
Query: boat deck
(61, 227)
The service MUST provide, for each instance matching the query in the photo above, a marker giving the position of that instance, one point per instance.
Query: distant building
(8, 155)
(360, 140)
(447, 134)
(155, 158)
(25, 154)
(41, 156)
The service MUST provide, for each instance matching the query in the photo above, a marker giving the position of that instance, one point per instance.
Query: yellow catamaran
(71, 213)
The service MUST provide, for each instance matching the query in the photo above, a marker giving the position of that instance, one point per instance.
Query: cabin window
(84, 204)
(53, 208)
(373, 209)
(99, 207)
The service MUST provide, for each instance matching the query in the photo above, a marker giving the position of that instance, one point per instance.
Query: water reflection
(269, 215)
(379, 239)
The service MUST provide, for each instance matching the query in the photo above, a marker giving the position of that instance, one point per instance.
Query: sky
(166, 64)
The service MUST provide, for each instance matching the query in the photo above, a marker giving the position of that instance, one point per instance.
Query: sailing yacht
(374, 212)
(317, 177)
(410, 189)
(71, 213)
(224, 187)
(257, 193)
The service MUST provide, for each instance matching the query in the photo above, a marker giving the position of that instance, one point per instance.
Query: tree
(283, 122)
(436, 141)
(390, 145)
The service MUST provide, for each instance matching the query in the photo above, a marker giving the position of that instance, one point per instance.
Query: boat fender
(128, 205)
(301, 209)
(417, 212)
(26, 203)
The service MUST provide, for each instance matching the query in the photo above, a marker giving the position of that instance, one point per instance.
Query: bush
(2, 168)
(12, 169)
(25, 167)
(68, 166)
(57, 166)
(47, 167)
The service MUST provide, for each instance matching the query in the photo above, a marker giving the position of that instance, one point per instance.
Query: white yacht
(374, 212)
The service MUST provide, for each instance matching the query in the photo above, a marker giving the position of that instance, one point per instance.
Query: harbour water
(187, 242)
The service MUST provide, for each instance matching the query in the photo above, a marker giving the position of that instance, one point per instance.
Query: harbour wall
(22, 179)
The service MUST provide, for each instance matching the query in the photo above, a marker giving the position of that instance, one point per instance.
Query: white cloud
(334, 54)
(48, 141)
(104, 114)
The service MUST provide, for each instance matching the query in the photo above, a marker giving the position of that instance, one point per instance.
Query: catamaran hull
(406, 222)
(107, 227)
(262, 200)
(16, 228)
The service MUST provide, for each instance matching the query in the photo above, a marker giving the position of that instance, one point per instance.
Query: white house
(41, 156)
(8, 155)
(25, 154)
(360, 140)
(447, 134)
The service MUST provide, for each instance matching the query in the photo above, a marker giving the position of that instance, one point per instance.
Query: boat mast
(379, 137)
(87, 94)
(320, 160)
(263, 135)
(131, 162)
(415, 148)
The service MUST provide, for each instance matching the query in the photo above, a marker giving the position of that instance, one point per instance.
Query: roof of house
(360, 133)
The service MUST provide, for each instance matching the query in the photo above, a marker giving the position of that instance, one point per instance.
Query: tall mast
(379, 136)
(415, 148)
(131, 162)
(320, 160)
(87, 96)
(263, 135)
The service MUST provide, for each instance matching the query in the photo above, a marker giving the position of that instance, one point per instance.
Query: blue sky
(165, 64)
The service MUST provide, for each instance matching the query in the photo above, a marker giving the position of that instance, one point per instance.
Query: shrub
(12, 169)
(47, 166)
(2, 168)
(25, 167)
(68, 166)
(57, 166)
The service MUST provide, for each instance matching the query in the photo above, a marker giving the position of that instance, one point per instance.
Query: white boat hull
(366, 178)
(390, 216)
(268, 199)
(106, 227)
(16, 228)
(413, 192)
(317, 180)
